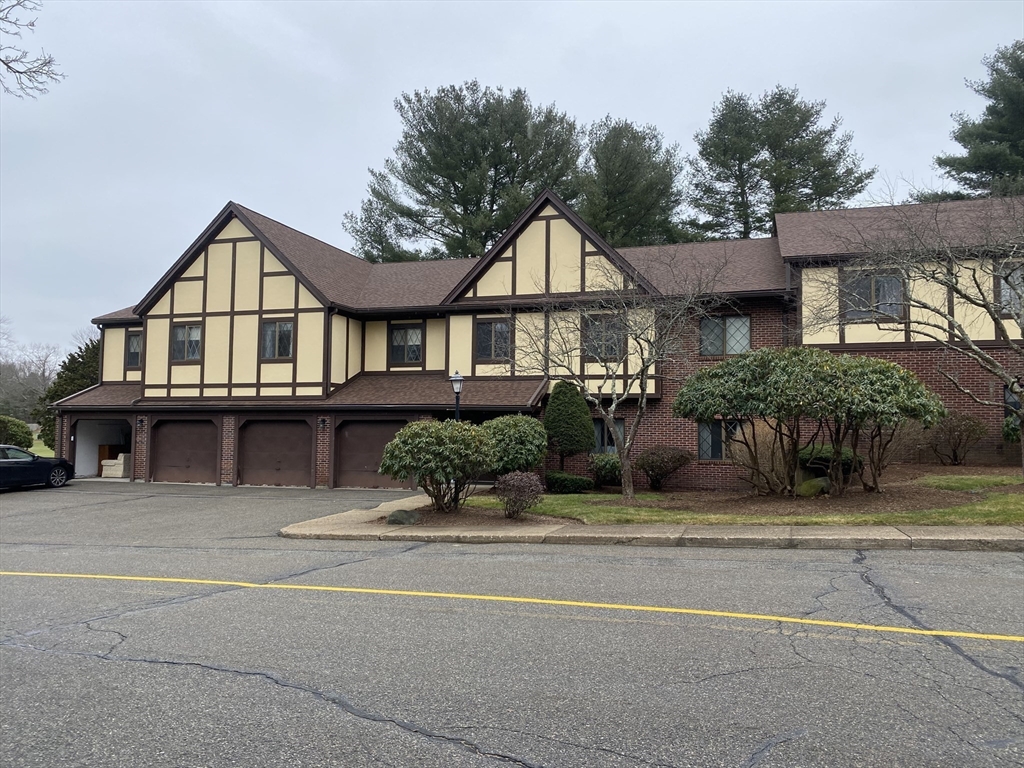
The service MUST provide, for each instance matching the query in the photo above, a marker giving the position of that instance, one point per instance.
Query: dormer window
(407, 345)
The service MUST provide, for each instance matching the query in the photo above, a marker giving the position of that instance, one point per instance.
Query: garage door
(185, 452)
(275, 453)
(358, 447)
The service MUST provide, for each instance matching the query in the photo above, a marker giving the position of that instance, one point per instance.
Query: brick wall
(324, 426)
(140, 451)
(769, 329)
(227, 449)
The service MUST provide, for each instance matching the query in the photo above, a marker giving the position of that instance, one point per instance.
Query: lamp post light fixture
(456, 381)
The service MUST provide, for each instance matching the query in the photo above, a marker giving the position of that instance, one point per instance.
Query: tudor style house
(267, 357)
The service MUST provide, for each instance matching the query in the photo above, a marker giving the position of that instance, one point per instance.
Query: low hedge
(563, 482)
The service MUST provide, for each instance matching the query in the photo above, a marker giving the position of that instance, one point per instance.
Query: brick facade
(324, 445)
(140, 451)
(228, 440)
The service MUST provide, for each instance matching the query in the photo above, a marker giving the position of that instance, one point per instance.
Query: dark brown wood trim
(447, 345)
(259, 304)
(239, 313)
(231, 320)
(547, 258)
(515, 263)
(583, 264)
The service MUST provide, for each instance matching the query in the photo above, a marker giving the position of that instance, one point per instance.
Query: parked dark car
(19, 467)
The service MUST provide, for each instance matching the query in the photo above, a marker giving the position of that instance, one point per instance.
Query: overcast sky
(170, 109)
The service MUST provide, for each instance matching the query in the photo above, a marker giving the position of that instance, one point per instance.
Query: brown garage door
(275, 453)
(185, 452)
(358, 447)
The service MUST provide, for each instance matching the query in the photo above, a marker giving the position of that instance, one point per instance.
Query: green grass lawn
(39, 449)
(990, 509)
(968, 482)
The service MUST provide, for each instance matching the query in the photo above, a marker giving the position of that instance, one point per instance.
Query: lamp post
(456, 381)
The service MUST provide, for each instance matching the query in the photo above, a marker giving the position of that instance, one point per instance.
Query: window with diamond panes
(492, 340)
(604, 442)
(186, 343)
(133, 350)
(277, 339)
(725, 335)
(603, 337)
(406, 346)
(1011, 289)
(870, 298)
(713, 437)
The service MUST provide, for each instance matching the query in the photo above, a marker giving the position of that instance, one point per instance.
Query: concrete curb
(359, 525)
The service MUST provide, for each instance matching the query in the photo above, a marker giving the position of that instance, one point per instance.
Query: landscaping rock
(816, 487)
(403, 517)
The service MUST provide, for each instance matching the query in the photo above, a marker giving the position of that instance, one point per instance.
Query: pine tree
(993, 161)
(80, 370)
(568, 422)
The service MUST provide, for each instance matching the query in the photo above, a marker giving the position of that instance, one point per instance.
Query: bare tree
(612, 343)
(947, 273)
(21, 73)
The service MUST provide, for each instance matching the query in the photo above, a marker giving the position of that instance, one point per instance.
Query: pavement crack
(880, 592)
(775, 741)
(334, 698)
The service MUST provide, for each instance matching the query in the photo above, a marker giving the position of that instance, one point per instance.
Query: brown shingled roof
(435, 391)
(104, 396)
(126, 314)
(730, 266)
(927, 225)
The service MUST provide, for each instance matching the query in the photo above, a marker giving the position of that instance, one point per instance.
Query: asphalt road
(187, 671)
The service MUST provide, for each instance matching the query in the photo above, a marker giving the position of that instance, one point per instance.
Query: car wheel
(58, 477)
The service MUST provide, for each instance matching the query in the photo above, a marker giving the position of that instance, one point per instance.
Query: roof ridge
(297, 231)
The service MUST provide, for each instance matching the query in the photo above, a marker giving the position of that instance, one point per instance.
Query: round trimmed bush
(519, 443)
(15, 432)
(607, 469)
(660, 461)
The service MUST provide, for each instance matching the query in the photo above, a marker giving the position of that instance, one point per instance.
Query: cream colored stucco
(496, 280)
(307, 300)
(247, 276)
(564, 345)
(549, 211)
(931, 294)
(502, 369)
(566, 247)
(589, 246)
(530, 259)
(187, 392)
(162, 305)
(460, 355)
(309, 391)
(271, 263)
(243, 391)
(602, 275)
(820, 305)
(218, 277)
(217, 343)
(197, 268)
(435, 345)
(339, 343)
(185, 374)
(133, 375)
(376, 354)
(355, 346)
(233, 229)
(188, 297)
(215, 391)
(275, 391)
(246, 348)
(279, 292)
(275, 373)
(155, 392)
(529, 346)
(310, 361)
(869, 333)
(113, 354)
(157, 349)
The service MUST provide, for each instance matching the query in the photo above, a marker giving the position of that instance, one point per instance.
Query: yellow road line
(530, 601)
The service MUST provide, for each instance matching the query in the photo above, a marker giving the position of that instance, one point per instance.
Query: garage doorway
(185, 451)
(275, 453)
(358, 448)
(96, 440)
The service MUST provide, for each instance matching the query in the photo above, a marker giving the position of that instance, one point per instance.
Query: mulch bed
(900, 494)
